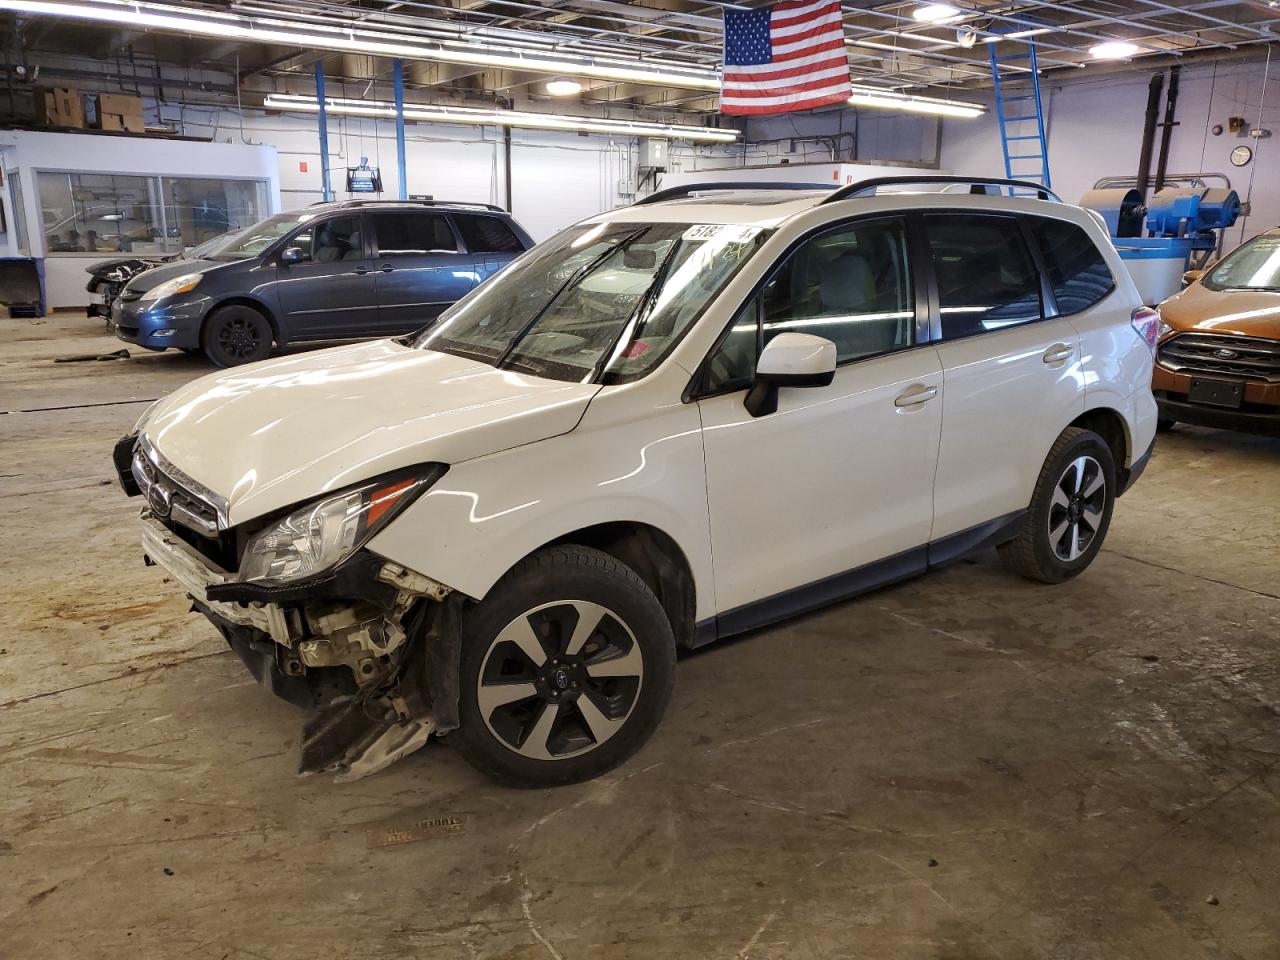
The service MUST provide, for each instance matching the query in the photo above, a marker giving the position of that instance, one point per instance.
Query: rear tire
(236, 334)
(1070, 510)
(567, 667)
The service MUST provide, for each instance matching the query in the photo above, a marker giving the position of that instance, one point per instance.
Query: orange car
(1218, 361)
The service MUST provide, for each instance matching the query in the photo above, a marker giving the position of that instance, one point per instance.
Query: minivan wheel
(1070, 510)
(236, 334)
(567, 667)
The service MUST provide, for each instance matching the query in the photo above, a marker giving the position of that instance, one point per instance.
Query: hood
(127, 265)
(158, 274)
(283, 431)
(1249, 313)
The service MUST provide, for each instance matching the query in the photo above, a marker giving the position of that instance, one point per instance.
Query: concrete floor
(964, 766)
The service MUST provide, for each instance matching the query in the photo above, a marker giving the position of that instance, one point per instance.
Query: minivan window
(484, 234)
(606, 301)
(1076, 268)
(251, 241)
(851, 285)
(332, 240)
(986, 278)
(412, 234)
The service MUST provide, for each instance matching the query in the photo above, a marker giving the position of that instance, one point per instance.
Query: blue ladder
(1021, 117)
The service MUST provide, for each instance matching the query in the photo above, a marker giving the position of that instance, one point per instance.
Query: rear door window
(484, 234)
(1075, 266)
(986, 277)
(412, 234)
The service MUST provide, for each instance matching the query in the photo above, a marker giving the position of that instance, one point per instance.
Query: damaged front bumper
(371, 646)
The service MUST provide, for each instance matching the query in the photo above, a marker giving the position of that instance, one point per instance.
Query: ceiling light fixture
(1114, 50)
(936, 13)
(1020, 34)
(510, 118)
(889, 100)
(212, 23)
(563, 87)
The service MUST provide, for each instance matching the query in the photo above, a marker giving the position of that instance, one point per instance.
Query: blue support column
(397, 73)
(327, 191)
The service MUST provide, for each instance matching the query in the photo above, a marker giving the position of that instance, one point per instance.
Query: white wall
(557, 179)
(1095, 130)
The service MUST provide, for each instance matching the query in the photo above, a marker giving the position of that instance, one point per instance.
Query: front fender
(620, 464)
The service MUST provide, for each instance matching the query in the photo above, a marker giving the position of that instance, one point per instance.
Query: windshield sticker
(723, 232)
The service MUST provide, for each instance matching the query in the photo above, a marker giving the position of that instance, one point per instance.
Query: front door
(330, 293)
(1013, 378)
(835, 489)
(420, 270)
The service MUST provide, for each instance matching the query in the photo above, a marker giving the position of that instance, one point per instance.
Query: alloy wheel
(560, 679)
(239, 338)
(1075, 512)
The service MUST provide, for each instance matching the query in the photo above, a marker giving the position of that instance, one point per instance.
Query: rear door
(1012, 376)
(490, 240)
(331, 292)
(420, 268)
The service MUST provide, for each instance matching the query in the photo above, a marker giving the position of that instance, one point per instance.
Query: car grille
(182, 510)
(1251, 358)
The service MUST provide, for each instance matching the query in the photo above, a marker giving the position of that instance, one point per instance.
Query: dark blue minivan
(349, 269)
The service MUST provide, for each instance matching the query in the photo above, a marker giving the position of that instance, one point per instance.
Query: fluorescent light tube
(888, 100)
(211, 23)
(510, 118)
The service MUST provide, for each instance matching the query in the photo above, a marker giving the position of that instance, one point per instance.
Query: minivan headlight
(171, 288)
(324, 533)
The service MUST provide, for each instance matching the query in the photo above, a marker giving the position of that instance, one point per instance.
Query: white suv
(668, 424)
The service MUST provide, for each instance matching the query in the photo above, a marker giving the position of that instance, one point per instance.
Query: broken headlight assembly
(324, 533)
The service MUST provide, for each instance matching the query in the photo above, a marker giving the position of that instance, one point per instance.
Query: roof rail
(677, 193)
(425, 203)
(977, 185)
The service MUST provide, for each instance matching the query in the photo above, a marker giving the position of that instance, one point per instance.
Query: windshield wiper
(638, 316)
(574, 279)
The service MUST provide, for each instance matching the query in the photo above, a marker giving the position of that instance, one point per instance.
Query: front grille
(183, 511)
(1251, 358)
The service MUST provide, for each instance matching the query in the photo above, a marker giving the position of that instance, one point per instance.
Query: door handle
(1058, 353)
(916, 395)
(386, 268)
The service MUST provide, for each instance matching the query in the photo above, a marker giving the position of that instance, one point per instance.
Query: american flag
(786, 57)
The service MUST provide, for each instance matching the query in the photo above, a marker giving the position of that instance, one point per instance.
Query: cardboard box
(120, 104)
(120, 121)
(59, 107)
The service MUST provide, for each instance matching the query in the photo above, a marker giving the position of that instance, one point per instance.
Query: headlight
(323, 534)
(171, 288)
(1165, 330)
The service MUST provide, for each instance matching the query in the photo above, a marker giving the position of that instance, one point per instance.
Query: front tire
(236, 334)
(1070, 510)
(567, 667)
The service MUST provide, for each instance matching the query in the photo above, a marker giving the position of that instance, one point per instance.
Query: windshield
(251, 241)
(603, 301)
(1255, 266)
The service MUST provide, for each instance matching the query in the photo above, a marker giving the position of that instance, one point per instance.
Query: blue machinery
(1160, 238)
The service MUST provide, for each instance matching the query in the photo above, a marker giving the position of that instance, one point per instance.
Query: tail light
(1146, 322)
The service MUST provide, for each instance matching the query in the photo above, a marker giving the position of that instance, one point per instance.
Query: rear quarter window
(1075, 266)
(487, 234)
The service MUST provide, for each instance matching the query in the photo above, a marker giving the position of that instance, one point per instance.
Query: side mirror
(1191, 276)
(292, 255)
(790, 360)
